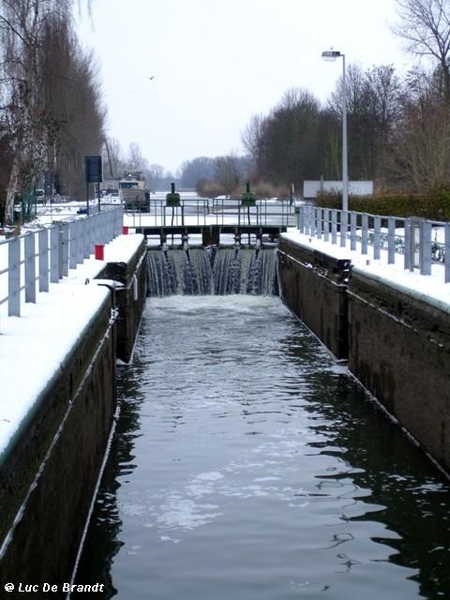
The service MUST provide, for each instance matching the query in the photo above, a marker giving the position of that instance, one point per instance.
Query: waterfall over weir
(212, 270)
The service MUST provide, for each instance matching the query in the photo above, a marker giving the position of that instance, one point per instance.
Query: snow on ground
(430, 288)
(34, 345)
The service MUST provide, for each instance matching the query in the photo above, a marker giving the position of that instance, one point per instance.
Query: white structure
(356, 188)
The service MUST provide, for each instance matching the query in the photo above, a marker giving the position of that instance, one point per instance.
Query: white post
(344, 141)
(333, 55)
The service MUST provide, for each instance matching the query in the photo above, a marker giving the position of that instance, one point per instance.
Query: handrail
(421, 242)
(31, 261)
(218, 211)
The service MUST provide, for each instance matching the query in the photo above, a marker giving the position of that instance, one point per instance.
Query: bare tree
(20, 25)
(198, 168)
(112, 156)
(74, 115)
(228, 173)
(252, 137)
(329, 144)
(51, 110)
(135, 160)
(421, 144)
(288, 145)
(154, 175)
(373, 107)
(425, 27)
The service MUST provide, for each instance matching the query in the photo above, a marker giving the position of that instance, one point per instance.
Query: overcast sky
(216, 63)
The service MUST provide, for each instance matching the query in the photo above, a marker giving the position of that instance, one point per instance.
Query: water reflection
(244, 430)
(409, 494)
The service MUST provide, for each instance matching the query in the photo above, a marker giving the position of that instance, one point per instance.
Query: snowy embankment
(429, 288)
(34, 345)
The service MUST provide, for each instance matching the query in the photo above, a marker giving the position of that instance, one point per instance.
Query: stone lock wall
(397, 341)
(132, 277)
(400, 351)
(313, 286)
(48, 478)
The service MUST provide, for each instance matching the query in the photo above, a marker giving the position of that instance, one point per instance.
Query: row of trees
(209, 176)
(398, 132)
(51, 115)
(301, 140)
(398, 128)
(51, 112)
(216, 176)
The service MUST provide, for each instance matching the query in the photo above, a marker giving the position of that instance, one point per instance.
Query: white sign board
(355, 188)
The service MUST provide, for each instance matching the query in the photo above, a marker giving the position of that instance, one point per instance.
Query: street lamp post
(331, 55)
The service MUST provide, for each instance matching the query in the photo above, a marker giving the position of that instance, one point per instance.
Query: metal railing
(33, 260)
(217, 211)
(422, 243)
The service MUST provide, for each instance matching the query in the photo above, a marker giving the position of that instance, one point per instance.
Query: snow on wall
(33, 346)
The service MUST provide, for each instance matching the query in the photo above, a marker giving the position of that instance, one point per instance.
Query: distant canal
(248, 465)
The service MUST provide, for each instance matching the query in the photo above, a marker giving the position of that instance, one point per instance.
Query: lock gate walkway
(212, 219)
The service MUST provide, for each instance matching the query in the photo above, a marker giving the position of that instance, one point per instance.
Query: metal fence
(422, 243)
(217, 211)
(30, 262)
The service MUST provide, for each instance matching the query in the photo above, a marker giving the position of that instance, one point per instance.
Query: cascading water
(212, 270)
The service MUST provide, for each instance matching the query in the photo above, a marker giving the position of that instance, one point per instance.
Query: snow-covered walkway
(33, 346)
(430, 288)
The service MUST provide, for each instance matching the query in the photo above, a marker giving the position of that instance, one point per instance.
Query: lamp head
(331, 55)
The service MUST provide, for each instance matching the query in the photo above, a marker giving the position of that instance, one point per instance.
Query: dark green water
(248, 465)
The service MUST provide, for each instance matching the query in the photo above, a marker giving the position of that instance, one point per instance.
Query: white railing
(33, 260)
(421, 242)
(217, 211)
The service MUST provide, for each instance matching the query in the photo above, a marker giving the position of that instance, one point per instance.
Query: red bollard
(99, 251)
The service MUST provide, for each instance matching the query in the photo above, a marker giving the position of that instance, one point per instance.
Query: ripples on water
(248, 465)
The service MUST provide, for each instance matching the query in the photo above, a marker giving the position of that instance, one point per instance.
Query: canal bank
(395, 337)
(58, 405)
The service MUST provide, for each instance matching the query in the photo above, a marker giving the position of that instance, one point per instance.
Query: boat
(134, 192)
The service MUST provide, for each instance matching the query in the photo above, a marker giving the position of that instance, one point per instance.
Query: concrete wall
(399, 347)
(49, 474)
(313, 285)
(132, 275)
(397, 342)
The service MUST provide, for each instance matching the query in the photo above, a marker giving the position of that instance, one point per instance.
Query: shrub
(433, 205)
(264, 189)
